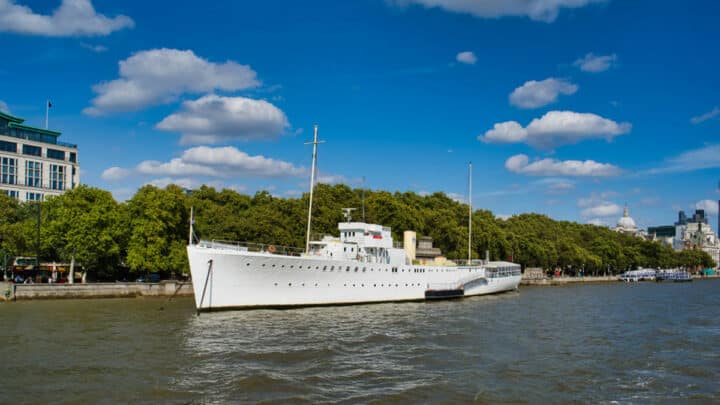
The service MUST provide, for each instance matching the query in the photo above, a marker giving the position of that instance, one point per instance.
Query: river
(640, 342)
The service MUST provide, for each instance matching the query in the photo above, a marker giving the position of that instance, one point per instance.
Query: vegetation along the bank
(148, 232)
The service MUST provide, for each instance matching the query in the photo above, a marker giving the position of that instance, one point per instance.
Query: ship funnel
(410, 245)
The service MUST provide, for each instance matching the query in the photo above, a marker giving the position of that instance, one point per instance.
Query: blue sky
(569, 108)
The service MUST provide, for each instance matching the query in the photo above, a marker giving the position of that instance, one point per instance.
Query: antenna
(363, 198)
(312, 186)
(470, 212)
(347, 214)
(192, 222)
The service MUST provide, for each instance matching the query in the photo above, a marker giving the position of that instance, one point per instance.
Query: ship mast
(312, 186)
(470, 213)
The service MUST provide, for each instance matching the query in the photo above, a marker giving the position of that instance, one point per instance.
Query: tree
(84, 224)
(158, 230)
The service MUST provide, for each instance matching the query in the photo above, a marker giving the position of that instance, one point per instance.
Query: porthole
(273, 265)
(332, 268)
(317, 267)
(283, 266)
(289, 284)
(291, 266)
(353, 285)
(303, 284)
(356, 269)
(348, 268)
(364, 268)
(344, 285)
(299, 267)
(263, 264)
(275, 284)
(374, 285)
(248, 264)
(362, 285)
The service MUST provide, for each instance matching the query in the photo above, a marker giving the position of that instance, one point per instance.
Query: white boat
(362, 265)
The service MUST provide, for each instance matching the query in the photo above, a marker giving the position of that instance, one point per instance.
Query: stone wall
(12, 291)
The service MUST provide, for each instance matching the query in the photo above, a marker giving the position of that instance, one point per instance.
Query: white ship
(361, 266)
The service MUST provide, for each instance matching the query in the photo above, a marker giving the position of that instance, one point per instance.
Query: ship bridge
(360, 241)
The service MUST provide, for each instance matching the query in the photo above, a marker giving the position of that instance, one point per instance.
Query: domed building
(627, 225)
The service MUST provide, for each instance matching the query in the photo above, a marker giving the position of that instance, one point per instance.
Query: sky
(569, 108)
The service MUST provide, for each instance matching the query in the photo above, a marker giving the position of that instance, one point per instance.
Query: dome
(626, 222)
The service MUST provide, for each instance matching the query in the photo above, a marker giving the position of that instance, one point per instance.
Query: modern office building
(33, 163)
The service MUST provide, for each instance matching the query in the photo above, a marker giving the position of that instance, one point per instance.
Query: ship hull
(227, 279)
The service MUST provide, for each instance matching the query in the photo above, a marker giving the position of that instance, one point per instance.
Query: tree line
(148, 232)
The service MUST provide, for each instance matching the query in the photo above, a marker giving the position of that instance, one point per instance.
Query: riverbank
(12, 292)
(574, 280)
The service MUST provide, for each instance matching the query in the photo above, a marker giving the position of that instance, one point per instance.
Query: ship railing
(469, 263)
(252, 247)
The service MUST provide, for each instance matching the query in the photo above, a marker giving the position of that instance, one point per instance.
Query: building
(696, 233)
(664, 234)
(33, 163)
(626, 225)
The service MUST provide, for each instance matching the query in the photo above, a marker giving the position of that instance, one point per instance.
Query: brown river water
(599, 343)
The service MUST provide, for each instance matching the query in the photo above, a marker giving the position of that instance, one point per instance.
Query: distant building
(627, 225)
(696, 233)
(664, 234)
(33, 163)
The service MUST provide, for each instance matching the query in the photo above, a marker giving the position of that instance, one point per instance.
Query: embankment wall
(12, 291)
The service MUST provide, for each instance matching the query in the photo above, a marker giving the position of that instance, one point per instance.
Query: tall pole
(38, 236)
(470, 212)
(192, 221)
(363, 201)
(47, 111)
(312, 186)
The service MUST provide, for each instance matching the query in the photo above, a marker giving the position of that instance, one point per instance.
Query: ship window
(362, 285)
(263, 264)
(324, 268)
(364, 268)
(299, 267)
(275, 284)
(348, 268)
(344, 249)
(248, 264)
(273, 265)
(353, 285)
(291, 266)
(289, 284)
(374, 285)
(356, 269)
(332, 268)
(317, 267)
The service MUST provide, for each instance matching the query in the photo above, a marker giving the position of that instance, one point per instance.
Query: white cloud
(71, 18)
(556, 128)
(552, 167)
(4, 107)
(457, 197)
(115, 173)
(503, 217)
(214, 119)
(603, 209)
(595, 63)
(538, 10)
(332, 179)
(208, 162)
(707, 116)
(239, 164)
(555, 185)
(94, 48)
(710, 206)
(597, 222)
(160, 76)
(534, 94)
(466, 57)
(707, 157)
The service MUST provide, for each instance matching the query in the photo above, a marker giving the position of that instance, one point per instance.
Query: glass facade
(32, 150)
(8, 146)
(55, 154)
(8, 170)
(57, 177)
(33, 174)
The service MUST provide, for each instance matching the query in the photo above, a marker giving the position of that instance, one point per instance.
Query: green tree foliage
(148, 233)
